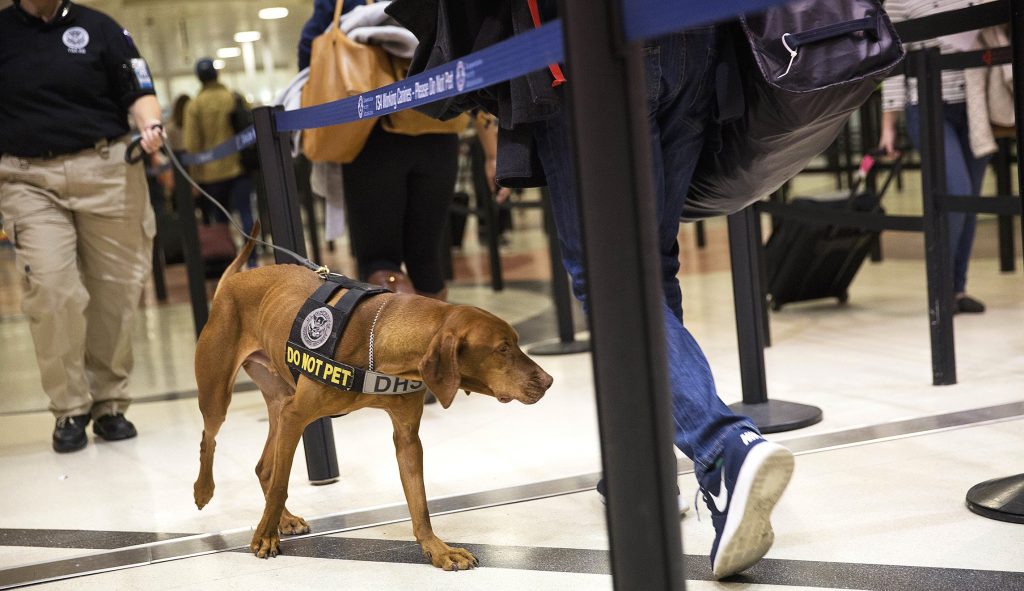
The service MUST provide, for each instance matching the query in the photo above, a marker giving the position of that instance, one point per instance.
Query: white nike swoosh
(721, 501)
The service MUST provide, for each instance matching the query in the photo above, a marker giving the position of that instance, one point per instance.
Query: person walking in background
(78, 215)
(965, 171)
(208, 123)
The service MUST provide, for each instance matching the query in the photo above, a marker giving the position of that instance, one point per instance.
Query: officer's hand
(152, 137)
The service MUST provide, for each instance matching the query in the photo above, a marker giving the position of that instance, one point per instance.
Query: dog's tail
(243, 256)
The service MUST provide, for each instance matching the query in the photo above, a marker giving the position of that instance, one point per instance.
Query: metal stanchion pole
(285, 224)
(190, 249)
(560, 292)
(1004, 186)
(611, 143)
(936, 220)
(770, 416)
(1003, 498)
(159, 268)
(1017, 38)
(303, 167)
(488, 208)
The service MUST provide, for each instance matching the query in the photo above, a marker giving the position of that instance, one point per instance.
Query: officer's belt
(315, 334)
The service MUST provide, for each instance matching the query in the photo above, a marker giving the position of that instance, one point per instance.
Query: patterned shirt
(899, 91)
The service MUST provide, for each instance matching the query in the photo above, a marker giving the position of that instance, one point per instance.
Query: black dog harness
(315, 334)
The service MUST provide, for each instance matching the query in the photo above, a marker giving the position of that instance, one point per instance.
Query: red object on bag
(556, 70)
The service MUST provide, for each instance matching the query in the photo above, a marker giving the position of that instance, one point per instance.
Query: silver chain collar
(373, 327)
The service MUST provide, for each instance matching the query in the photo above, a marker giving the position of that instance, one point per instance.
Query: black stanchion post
(938, 262)
(702, 239)
(1017, 38)
(159, 267)
(285, 224)
(302, 169)
(1003, 498)
(1004, 187)
(190, 249)
(770, 416)
(488, 208)
(560, 292)
(613, 168)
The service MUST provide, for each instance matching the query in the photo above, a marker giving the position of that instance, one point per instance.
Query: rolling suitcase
(812, 260)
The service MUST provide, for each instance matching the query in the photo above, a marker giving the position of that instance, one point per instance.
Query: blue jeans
(680, 100)
(964, 175)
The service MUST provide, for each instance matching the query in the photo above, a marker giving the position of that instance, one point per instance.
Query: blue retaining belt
(503, 61)
(514, 57)
(236, 143)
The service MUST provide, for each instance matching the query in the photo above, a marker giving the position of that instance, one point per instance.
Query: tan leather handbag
(412, 122)
(340, 68)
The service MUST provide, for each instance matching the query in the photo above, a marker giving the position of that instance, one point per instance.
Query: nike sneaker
(741, 491)
(602, 490)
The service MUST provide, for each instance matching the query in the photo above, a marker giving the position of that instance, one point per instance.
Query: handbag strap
(556, 70)
(338, 5)
(794, 41)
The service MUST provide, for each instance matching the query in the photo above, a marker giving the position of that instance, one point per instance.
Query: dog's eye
(503, 348)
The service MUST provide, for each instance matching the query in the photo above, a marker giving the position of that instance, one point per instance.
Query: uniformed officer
(78, 215)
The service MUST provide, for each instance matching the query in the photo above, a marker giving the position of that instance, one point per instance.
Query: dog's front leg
(266, 539)
(409, 451)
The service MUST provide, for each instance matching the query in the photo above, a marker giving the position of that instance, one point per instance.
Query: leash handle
(136, 145)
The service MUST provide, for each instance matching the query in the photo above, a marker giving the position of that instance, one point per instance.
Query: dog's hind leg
(216, 365)
(275, 391)
(297, 411)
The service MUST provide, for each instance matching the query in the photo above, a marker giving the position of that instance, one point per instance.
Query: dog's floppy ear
(440, 367)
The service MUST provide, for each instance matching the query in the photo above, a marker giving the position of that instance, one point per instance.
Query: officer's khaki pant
(82, 228)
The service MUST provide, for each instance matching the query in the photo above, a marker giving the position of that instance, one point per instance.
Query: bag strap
(338, 5)
(556, 70)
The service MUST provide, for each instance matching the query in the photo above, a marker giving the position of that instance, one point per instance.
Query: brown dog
(448, 347)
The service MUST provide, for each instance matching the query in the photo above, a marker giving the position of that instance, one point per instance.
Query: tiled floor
(877, 500)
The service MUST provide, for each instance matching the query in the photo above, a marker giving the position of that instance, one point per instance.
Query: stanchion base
(323, 482)
(776, 416)
(560, 348)
(1001, 499)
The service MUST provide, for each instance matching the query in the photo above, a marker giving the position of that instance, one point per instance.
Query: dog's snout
(545, 380)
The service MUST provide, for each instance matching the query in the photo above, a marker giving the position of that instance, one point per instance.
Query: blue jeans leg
(964, 176)
(679, 69)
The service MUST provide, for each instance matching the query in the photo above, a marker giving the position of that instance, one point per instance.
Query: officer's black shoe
(114, 427)
(69, 433)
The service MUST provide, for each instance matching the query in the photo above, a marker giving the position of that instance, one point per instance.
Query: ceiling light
(269, 14)
(247, 36)
(226, 52)
(218, 64)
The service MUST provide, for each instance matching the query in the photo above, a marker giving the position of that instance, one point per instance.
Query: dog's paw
(291, 525)
(448, 558)
(265, 546)
(202, 492)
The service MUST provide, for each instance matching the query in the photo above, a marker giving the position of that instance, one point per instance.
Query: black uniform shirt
(67, 84)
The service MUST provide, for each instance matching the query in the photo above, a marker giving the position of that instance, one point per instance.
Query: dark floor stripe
(802, 573)
(139, 555)
(73, 538)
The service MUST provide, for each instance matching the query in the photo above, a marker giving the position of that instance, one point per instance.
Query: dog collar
(315, 334)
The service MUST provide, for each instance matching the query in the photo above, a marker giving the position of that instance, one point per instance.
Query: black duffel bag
(804, 67)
